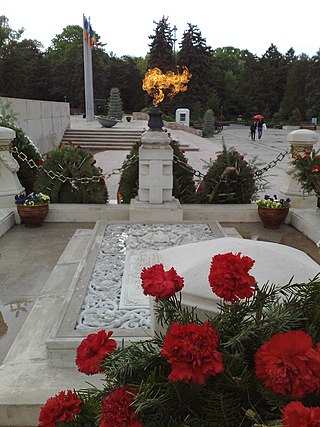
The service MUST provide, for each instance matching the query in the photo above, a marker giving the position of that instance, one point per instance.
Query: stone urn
(107, 122)
(272, 218)
(33, 216)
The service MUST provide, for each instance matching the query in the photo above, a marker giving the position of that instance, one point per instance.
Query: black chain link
(273, 163)
(257, 174)
(130, 161)
(84, 180)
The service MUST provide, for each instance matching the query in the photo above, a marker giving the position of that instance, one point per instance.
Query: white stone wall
(43, 121)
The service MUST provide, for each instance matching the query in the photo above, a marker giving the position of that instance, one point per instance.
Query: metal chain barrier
(56, 175)
(96, 178)
(257, 173)
(273, 163)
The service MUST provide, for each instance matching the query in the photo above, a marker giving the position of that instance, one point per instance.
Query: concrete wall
(43, 121)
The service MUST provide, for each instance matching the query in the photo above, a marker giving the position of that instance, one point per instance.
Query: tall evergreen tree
(295, 90)
(273, 69)
(197, 56)
(161, 53)
(251, 87)
(313, 87)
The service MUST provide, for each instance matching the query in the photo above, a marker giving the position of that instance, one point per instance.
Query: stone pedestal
(301, 140)
(9, 182)
(165, 213)
(155, 168)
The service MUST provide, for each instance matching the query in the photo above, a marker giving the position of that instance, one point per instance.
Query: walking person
(253, 128)
(260, 128)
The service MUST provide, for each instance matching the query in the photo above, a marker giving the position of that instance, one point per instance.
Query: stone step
(231, 232)
(105, 132)
(7, 219)
(99, 140)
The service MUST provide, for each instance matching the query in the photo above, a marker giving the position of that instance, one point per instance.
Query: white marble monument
(155, 176)
(9, 182)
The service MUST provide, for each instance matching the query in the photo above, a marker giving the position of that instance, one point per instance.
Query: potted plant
(32, 208)
(273, 211)
(255, 363)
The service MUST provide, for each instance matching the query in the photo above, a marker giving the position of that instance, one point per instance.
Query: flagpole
(87, 64)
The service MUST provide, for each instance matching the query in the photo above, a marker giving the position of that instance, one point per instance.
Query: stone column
(155, 201)
(155, 168)
(9, 182)
(301, 140)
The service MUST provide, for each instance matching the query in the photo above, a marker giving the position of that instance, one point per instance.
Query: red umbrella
(258, 116)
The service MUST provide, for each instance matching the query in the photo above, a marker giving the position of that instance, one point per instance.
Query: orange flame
(155, 82)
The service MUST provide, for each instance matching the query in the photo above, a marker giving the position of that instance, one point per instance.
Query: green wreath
(69, 161)
(230, 179)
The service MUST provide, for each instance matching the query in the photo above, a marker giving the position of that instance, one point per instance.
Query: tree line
(285, 88)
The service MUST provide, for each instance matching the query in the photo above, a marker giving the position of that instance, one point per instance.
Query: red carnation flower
(287, 364)
(315, 168)
(118, 409)
(229, 277)
(60, 408)
(200, 186)
(295, 414)
(93, 350)
(160, 283)
(192, 352)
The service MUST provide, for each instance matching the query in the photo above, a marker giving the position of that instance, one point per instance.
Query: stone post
(9, 182)
(301, 140)
(155, 175)
(155, 168)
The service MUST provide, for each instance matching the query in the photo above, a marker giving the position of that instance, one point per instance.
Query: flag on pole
(90, 36)
(85, 28)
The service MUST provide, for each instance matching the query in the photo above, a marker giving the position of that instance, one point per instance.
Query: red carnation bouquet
(255, 363)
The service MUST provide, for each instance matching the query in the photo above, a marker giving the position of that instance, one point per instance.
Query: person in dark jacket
(253, 128)
(260, 128)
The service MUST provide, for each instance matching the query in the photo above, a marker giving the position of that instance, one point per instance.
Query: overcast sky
(125, 25)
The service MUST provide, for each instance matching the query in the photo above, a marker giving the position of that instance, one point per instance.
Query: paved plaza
(28, 256)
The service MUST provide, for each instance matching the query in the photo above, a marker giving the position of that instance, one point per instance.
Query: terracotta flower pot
(33, 216)
(272, 218)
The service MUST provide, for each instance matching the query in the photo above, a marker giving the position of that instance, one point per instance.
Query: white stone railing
(9, 182)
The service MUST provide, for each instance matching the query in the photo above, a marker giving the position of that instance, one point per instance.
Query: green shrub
(69, 161)
(230, 179)
(295, 118)
(208, 124)
(115, 104)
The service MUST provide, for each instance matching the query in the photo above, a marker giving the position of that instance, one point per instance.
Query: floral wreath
(256, 363)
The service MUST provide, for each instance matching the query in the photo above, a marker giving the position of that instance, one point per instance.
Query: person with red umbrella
(258, 116)
(260, 124)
